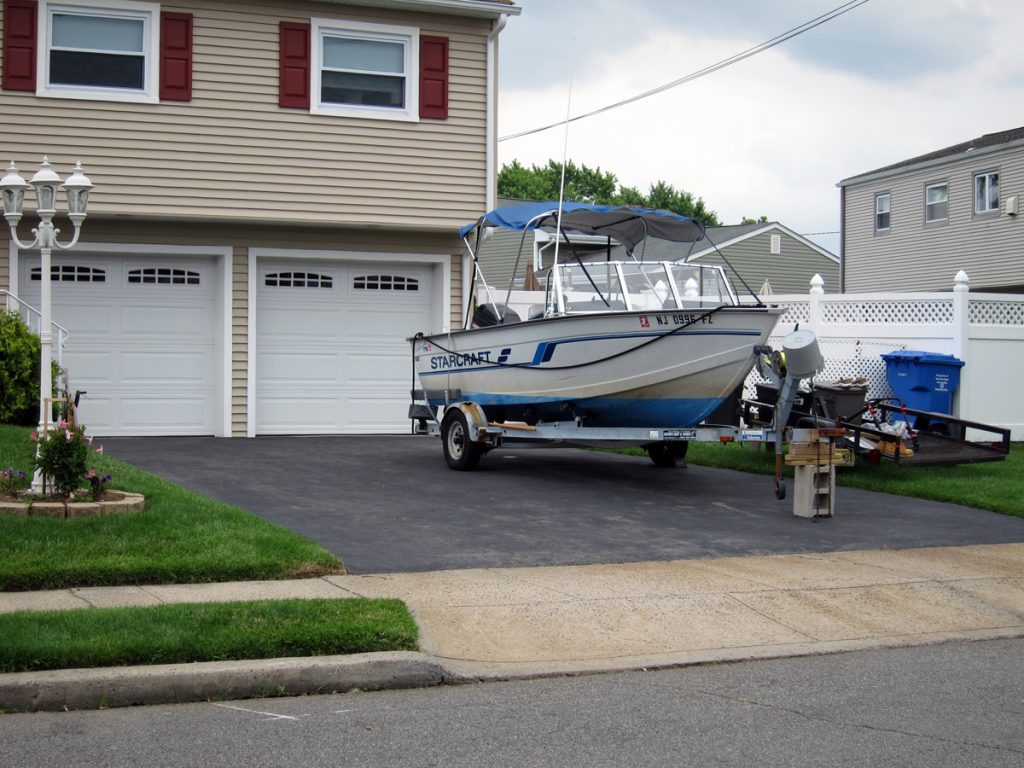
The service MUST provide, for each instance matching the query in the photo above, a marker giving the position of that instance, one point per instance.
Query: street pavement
(939, 706)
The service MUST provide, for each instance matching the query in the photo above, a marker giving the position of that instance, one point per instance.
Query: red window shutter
(434, 77)
(176, 56)
(20, 45)
(293, 82)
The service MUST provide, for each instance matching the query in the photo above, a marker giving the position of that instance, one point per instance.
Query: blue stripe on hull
(602, 411)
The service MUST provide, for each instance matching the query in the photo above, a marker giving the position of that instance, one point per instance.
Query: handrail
(33, 319)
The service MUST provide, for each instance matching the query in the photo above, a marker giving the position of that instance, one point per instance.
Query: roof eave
(925, 164)
(481, 9)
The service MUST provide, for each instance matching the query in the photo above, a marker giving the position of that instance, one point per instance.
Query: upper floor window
(99, 49)
(365, 70)
(883, 203)
(936, 202)
(986, 192)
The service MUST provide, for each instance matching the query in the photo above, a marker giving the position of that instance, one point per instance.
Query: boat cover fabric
(627, 225)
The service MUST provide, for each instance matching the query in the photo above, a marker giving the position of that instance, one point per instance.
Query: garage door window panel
(385, 283)
(71, 273)
(298, 280)
(163, 276)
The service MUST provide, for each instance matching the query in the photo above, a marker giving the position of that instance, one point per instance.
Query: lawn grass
(181, 537)
(171, 634)
(997, 486)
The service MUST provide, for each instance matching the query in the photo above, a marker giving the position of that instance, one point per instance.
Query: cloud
(773, 134)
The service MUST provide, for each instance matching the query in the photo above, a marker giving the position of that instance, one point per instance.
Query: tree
(19, 371)
(587, 185)
(748, 220)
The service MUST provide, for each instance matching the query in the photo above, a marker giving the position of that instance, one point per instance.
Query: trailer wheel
(460, 452)
(668, 455)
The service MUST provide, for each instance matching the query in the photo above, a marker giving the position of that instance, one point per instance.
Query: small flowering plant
(61, 455)
(97, 484)
(12, 480)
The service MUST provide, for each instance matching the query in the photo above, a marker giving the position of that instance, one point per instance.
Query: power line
(799, 30)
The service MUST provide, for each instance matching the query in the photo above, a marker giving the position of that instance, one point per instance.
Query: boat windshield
(618, 285)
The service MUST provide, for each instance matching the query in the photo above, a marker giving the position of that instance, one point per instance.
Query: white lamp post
(46, 183)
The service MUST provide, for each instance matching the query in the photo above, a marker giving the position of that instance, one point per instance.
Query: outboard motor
(487, 315)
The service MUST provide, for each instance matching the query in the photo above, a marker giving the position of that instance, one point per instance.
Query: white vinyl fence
(986, 331)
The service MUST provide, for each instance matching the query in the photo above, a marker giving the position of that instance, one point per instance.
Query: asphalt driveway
(390, 504)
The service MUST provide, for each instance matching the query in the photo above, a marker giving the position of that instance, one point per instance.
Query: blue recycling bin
(924, 381)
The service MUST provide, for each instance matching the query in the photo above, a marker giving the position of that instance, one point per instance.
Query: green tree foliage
(19, 371)
(748, 220)
(592, 185)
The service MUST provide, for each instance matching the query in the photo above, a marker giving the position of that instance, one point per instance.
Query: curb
(57, 690)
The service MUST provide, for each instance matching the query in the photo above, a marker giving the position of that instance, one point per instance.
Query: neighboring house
(914, 224)
(278, 192)
(760, 253)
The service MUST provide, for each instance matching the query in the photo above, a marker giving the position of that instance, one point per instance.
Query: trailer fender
(476, 420)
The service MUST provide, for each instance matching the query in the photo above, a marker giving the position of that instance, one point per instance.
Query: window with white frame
(883, 203)
(99, 49)
(986, 192)
(365, 70)
(936, 202)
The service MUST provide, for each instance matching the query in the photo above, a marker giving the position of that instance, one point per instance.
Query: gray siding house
(914, 224)
(761, 253)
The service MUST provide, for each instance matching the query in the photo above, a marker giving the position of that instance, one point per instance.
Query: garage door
(331, 355)
(142, 340)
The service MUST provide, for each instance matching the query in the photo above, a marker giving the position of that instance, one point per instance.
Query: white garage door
(142, 340)
(331, 354)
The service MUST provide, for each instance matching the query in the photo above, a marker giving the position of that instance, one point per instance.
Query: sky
(773, 134)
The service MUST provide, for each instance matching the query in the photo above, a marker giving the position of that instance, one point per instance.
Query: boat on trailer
(603, 342)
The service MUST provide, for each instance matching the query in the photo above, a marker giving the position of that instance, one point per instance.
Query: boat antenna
(561, 183)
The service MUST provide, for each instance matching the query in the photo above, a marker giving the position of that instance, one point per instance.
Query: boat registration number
(683, 318)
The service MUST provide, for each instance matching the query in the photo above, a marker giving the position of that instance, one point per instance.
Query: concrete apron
(505, 623)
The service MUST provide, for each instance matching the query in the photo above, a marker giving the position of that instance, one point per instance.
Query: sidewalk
(492, 624)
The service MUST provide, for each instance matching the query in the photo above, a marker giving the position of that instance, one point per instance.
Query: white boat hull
(615, 369)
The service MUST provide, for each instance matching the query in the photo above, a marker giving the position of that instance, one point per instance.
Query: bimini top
(627, 225)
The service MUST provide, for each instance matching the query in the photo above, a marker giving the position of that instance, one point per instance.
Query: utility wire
(799, 30)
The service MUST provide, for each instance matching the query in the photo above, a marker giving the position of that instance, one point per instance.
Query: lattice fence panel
(843, 359)
(796, 312)
(983, 312)
(897, 312)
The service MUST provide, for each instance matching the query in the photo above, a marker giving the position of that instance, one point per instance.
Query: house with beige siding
(912, 225)
(278, 190)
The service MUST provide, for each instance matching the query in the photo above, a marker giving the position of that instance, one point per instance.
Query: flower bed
(111, 503)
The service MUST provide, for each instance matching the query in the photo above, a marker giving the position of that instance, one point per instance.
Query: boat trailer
(467, 433)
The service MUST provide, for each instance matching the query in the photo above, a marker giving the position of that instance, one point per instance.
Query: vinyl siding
(5, 267)
(917, 256)
(231, 152)
(788, 272)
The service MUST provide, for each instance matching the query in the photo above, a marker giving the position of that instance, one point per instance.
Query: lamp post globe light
(46, 183)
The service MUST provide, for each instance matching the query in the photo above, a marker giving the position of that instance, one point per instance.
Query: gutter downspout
(492, 112)
(491, 141)
(842, 239)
